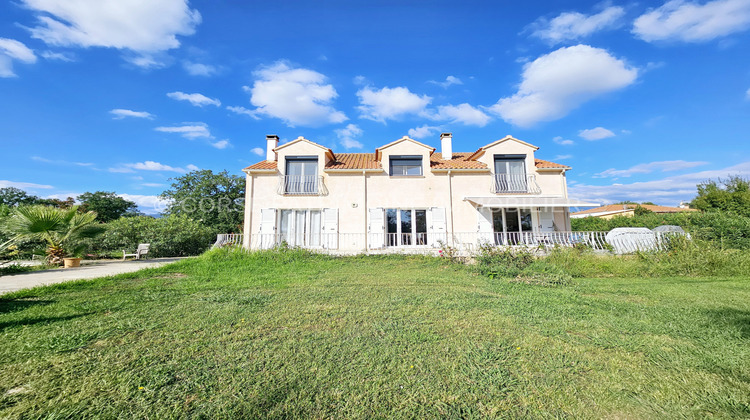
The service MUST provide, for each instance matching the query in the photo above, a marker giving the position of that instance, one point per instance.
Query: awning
(525, 202)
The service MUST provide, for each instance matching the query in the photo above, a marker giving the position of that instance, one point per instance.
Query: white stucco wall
(353, 193)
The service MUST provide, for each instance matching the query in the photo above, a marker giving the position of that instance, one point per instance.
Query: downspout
(247, 229)
(450, 195)
(364, 176)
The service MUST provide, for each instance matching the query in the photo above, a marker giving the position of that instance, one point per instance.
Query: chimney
(272, 141)
(446, 146)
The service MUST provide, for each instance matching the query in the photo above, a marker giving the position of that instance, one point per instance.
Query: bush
(683, 258)
(14, 269)
(728, 230)
(502, 261)
(171, 236)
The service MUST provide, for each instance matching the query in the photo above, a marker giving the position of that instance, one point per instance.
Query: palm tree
(60, 228)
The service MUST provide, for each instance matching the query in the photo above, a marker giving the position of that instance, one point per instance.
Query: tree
(56, 202)
(216, 200)
(11, 196)
(639, 210)
(107, 205)
(59, 228)
(727, 195)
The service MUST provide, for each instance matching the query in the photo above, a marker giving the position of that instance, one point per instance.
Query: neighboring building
(404, 195)
(627, 210)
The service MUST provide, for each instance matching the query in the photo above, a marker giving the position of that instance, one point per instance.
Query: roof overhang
(521, 202)
(479, 170)
(353, 170)
(378, 151)
(299, 139)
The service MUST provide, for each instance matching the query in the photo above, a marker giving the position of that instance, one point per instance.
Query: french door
(301, 176)
(512, 226)
(406, 227)
(300, 227)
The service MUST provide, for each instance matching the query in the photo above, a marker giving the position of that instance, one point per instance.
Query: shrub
(502, 261)
(171, 236)
(14, 269)
(728, 230)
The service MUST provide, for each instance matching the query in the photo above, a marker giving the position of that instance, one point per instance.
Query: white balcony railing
(301, 185)
(514, 183)
(465, 242)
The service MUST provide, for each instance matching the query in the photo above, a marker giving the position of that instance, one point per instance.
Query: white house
(404, 196)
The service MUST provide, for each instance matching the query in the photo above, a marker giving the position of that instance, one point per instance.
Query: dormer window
(510, 174)
(301, 175)
(406, 165)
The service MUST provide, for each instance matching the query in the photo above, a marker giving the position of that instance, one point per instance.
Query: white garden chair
(140, 252)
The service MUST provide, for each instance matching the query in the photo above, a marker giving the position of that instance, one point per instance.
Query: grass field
(288, 335)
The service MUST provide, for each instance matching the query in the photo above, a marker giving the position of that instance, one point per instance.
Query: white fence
(465, 243)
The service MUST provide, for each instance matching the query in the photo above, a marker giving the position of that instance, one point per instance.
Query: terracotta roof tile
(354, 161)
(544, 164)
(264, 165)
(459, 161)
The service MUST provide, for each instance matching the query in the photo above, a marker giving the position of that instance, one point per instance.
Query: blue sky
(642, 100)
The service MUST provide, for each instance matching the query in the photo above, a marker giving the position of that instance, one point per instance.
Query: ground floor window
(406, 227)
(512, 226)
(301, 228)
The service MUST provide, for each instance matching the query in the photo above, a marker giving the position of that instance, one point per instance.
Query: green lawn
(294, 336)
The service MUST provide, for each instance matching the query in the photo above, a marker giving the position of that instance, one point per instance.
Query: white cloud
(142, 27)
(670, 190)
(189, 131)
(747, 94)
(150, 165)
(61, 162)
(464, 113)
(645, 168)
(243, 111)
(11, 50)
(347, 136)
(221, 144)
(152, 184)
(423, 131)
(123, 113)
(50, 55)
(195, 99)
(199, 69)
(562, 157)
(296, 96)
(573, 25)
(258, 151)
(149, 204)
(390, 103)
(449, 81)
(4, 183)
(597, 133)
(556, 83)
(563, 142)
(678, 20)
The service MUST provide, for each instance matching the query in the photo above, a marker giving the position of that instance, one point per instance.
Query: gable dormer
(305, 152)
(405, 157)
(509, 148)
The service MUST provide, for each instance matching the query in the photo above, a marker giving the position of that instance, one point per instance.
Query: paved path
(89, 270)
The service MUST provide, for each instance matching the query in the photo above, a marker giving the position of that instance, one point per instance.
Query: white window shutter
(331, 228)
(267, 228)
(377, 228)
(484, 224)
(547, 220)
(438, 227)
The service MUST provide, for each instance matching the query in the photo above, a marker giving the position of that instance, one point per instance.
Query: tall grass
(684, 257)
(727, 230)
